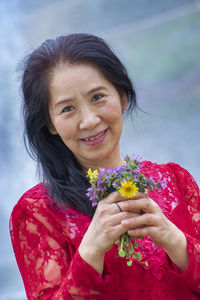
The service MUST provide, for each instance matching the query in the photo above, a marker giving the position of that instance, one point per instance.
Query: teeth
(94, 138)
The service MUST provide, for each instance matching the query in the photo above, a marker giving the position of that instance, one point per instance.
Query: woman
(75, 92)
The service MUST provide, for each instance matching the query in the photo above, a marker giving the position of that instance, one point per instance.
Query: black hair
(62, 174)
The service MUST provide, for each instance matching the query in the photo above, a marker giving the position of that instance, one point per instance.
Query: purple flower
(136, 157)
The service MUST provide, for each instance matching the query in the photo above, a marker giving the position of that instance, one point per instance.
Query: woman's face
(86, 112)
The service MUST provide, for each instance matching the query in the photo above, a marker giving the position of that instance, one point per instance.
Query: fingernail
(125, 222)
(130, 232)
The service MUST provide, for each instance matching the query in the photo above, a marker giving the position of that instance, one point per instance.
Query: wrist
(90, 251)
(177, 251)
(93, 257)
(176, 241)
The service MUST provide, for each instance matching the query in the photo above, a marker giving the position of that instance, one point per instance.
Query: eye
(67, 108)
(97, 97)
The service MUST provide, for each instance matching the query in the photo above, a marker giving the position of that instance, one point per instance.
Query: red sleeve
(190, 193)
(50, 266)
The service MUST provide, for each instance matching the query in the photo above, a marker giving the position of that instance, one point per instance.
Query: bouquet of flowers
(126, 180)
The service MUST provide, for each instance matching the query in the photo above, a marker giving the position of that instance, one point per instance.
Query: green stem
(122, 253)
(122, 242)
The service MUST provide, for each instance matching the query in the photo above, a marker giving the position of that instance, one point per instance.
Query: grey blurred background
(159, 42)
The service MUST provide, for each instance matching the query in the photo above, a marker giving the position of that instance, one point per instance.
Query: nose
(89, 119)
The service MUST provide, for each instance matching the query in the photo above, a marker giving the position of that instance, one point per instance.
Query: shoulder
(155, 170)
(36, 198)
(34, 217)
(172, 172)
(167, 169)
(37, 202)
(36, 207)
(37, 192)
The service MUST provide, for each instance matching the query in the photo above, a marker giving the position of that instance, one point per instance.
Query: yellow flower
(128, 189)
(92, 175)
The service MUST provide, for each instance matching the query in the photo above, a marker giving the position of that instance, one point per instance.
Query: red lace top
(46, 242)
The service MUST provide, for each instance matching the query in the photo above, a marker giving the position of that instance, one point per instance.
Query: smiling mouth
(95, 137)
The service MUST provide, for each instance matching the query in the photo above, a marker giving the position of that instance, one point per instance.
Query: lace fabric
(46, 241)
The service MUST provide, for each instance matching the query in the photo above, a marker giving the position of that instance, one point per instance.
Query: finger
(146, 205)
(117, 218)
(140, 195)
(118, 230)
(114, 219)
(132, 214)
(142, 231)
(104, 208)
(128, 208)
(141, 221)
(112, 198)
(116, 208)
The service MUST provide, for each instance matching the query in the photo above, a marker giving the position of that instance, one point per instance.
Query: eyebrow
(95, 89)
(60, 102)
(91, 91)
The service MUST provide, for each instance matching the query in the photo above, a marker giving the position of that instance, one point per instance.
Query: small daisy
(128, 189)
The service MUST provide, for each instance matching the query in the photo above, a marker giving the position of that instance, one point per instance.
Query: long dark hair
(62, 174)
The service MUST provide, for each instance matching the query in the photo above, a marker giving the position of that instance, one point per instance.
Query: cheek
(65, 129)
(113, 112)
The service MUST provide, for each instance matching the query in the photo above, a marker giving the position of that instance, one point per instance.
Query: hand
(106, 225)
(154, 223)
(151, 222)
(105, 228)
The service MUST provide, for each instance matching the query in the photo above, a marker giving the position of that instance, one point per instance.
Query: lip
(92, 136)
(99, 140)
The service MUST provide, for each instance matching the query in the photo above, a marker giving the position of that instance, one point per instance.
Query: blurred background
(159, 42)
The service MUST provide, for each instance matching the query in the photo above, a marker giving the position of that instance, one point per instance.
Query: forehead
(71, 74)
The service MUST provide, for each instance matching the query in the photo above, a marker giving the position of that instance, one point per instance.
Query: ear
(124, 102)
(52, 129)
